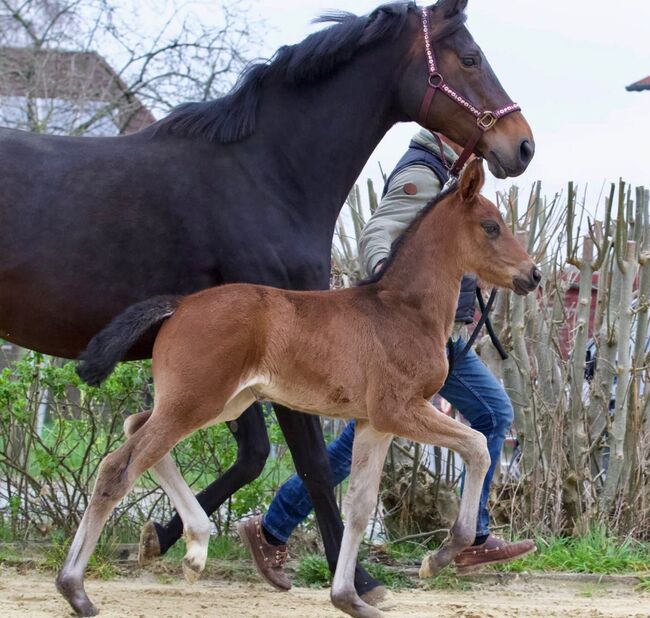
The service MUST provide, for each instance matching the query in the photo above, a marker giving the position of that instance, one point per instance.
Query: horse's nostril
(526, 151)
(536, 275)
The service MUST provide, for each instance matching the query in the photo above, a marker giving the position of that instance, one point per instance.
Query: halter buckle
(486, 121)
(435, 80)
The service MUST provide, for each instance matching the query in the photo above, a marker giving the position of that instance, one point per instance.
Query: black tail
(110, 345)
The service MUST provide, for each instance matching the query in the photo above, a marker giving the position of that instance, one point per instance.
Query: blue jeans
(470, 388)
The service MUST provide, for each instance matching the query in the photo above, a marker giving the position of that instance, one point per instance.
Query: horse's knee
(251, 459)
(478, 453)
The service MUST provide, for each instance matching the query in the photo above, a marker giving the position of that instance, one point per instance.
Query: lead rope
(484, 320)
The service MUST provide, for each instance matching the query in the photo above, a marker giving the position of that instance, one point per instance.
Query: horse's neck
(326, 131)
(427, 270)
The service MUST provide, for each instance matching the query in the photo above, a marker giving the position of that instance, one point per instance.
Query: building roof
(70, 75)
(642, 84)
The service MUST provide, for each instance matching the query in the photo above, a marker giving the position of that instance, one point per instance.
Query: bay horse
(246, 188)
(375, 352)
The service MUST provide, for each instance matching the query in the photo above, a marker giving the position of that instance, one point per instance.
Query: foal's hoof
(149, 548)
(73, 592)
(429, 567)
(349, 603)
(191, 570)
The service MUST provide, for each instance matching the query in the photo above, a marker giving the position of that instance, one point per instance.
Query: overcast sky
(566, 62)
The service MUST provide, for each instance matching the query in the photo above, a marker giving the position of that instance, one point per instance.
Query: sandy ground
(34, 595)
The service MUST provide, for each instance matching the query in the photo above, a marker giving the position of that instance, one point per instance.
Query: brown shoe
(493, 551)
(269, 559)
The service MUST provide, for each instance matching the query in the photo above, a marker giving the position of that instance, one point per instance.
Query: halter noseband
(485, 119)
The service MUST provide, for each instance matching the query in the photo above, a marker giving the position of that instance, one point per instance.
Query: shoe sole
(468, 570)
(241, 531)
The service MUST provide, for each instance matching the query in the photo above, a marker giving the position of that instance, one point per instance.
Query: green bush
(55, 430)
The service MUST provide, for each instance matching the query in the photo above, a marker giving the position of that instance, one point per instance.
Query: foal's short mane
(399, 242)
(233, 117)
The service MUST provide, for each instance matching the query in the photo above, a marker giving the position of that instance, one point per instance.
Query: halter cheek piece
(485, 119)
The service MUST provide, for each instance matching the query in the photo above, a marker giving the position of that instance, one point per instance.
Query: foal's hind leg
(368, 454)
(117, 473)
(253, 448)
(195, 521)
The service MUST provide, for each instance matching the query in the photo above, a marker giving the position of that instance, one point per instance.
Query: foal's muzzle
(524, 285)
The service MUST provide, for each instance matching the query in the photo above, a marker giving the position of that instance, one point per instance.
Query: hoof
(149, 548)
(352, 605)
(73, 592)
(191, 570)
(380, 598)
(429, 568)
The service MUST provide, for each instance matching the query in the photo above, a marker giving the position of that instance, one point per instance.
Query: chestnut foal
(375, 352)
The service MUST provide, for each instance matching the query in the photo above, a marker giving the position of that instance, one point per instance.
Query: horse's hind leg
(117, 473)
(253, 447)
(194, 519)
(368, 454)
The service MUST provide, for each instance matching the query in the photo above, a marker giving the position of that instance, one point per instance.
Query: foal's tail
(111, 344)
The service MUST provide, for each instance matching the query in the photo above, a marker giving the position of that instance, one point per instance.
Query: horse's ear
(472, 180)
(450, 8)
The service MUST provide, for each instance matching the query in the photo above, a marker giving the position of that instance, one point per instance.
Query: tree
(85, 67)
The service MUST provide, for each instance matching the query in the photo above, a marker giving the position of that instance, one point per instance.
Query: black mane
(233, 117)
(398, 243)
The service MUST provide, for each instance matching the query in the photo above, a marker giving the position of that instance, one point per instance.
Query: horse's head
(447, 85)
(486, 245)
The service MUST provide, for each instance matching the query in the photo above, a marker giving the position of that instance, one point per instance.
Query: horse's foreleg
(304, 437)
(117, 473)
(368, 454)
(253, 447)
(422, 422)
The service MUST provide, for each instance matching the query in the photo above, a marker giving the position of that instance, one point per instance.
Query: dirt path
(34, 595)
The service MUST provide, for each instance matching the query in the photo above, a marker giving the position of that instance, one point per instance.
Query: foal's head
(486, 246)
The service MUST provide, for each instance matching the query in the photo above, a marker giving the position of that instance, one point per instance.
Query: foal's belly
(336, 402)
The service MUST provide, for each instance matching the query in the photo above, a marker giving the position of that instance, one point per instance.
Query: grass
(10, 555)
(101, 565)
(597, 552)
(219, 548)
(313, 572)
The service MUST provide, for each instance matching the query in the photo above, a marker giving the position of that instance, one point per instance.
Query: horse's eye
(492, 228)
(469, 61)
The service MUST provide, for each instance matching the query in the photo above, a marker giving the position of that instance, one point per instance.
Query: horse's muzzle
(524, 285)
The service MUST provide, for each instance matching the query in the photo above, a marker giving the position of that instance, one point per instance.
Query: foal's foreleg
(424, 423)
(368, 454)
(117, 473)
(305, 440)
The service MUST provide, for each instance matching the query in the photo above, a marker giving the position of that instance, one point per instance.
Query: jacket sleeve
(395, 212)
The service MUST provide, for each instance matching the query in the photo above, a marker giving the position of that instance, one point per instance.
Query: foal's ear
(472, 180)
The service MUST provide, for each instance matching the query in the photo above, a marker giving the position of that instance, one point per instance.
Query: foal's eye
(469, 61)
(492, 228)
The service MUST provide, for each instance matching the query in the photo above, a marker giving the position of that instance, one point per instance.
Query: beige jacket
(398, 208)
